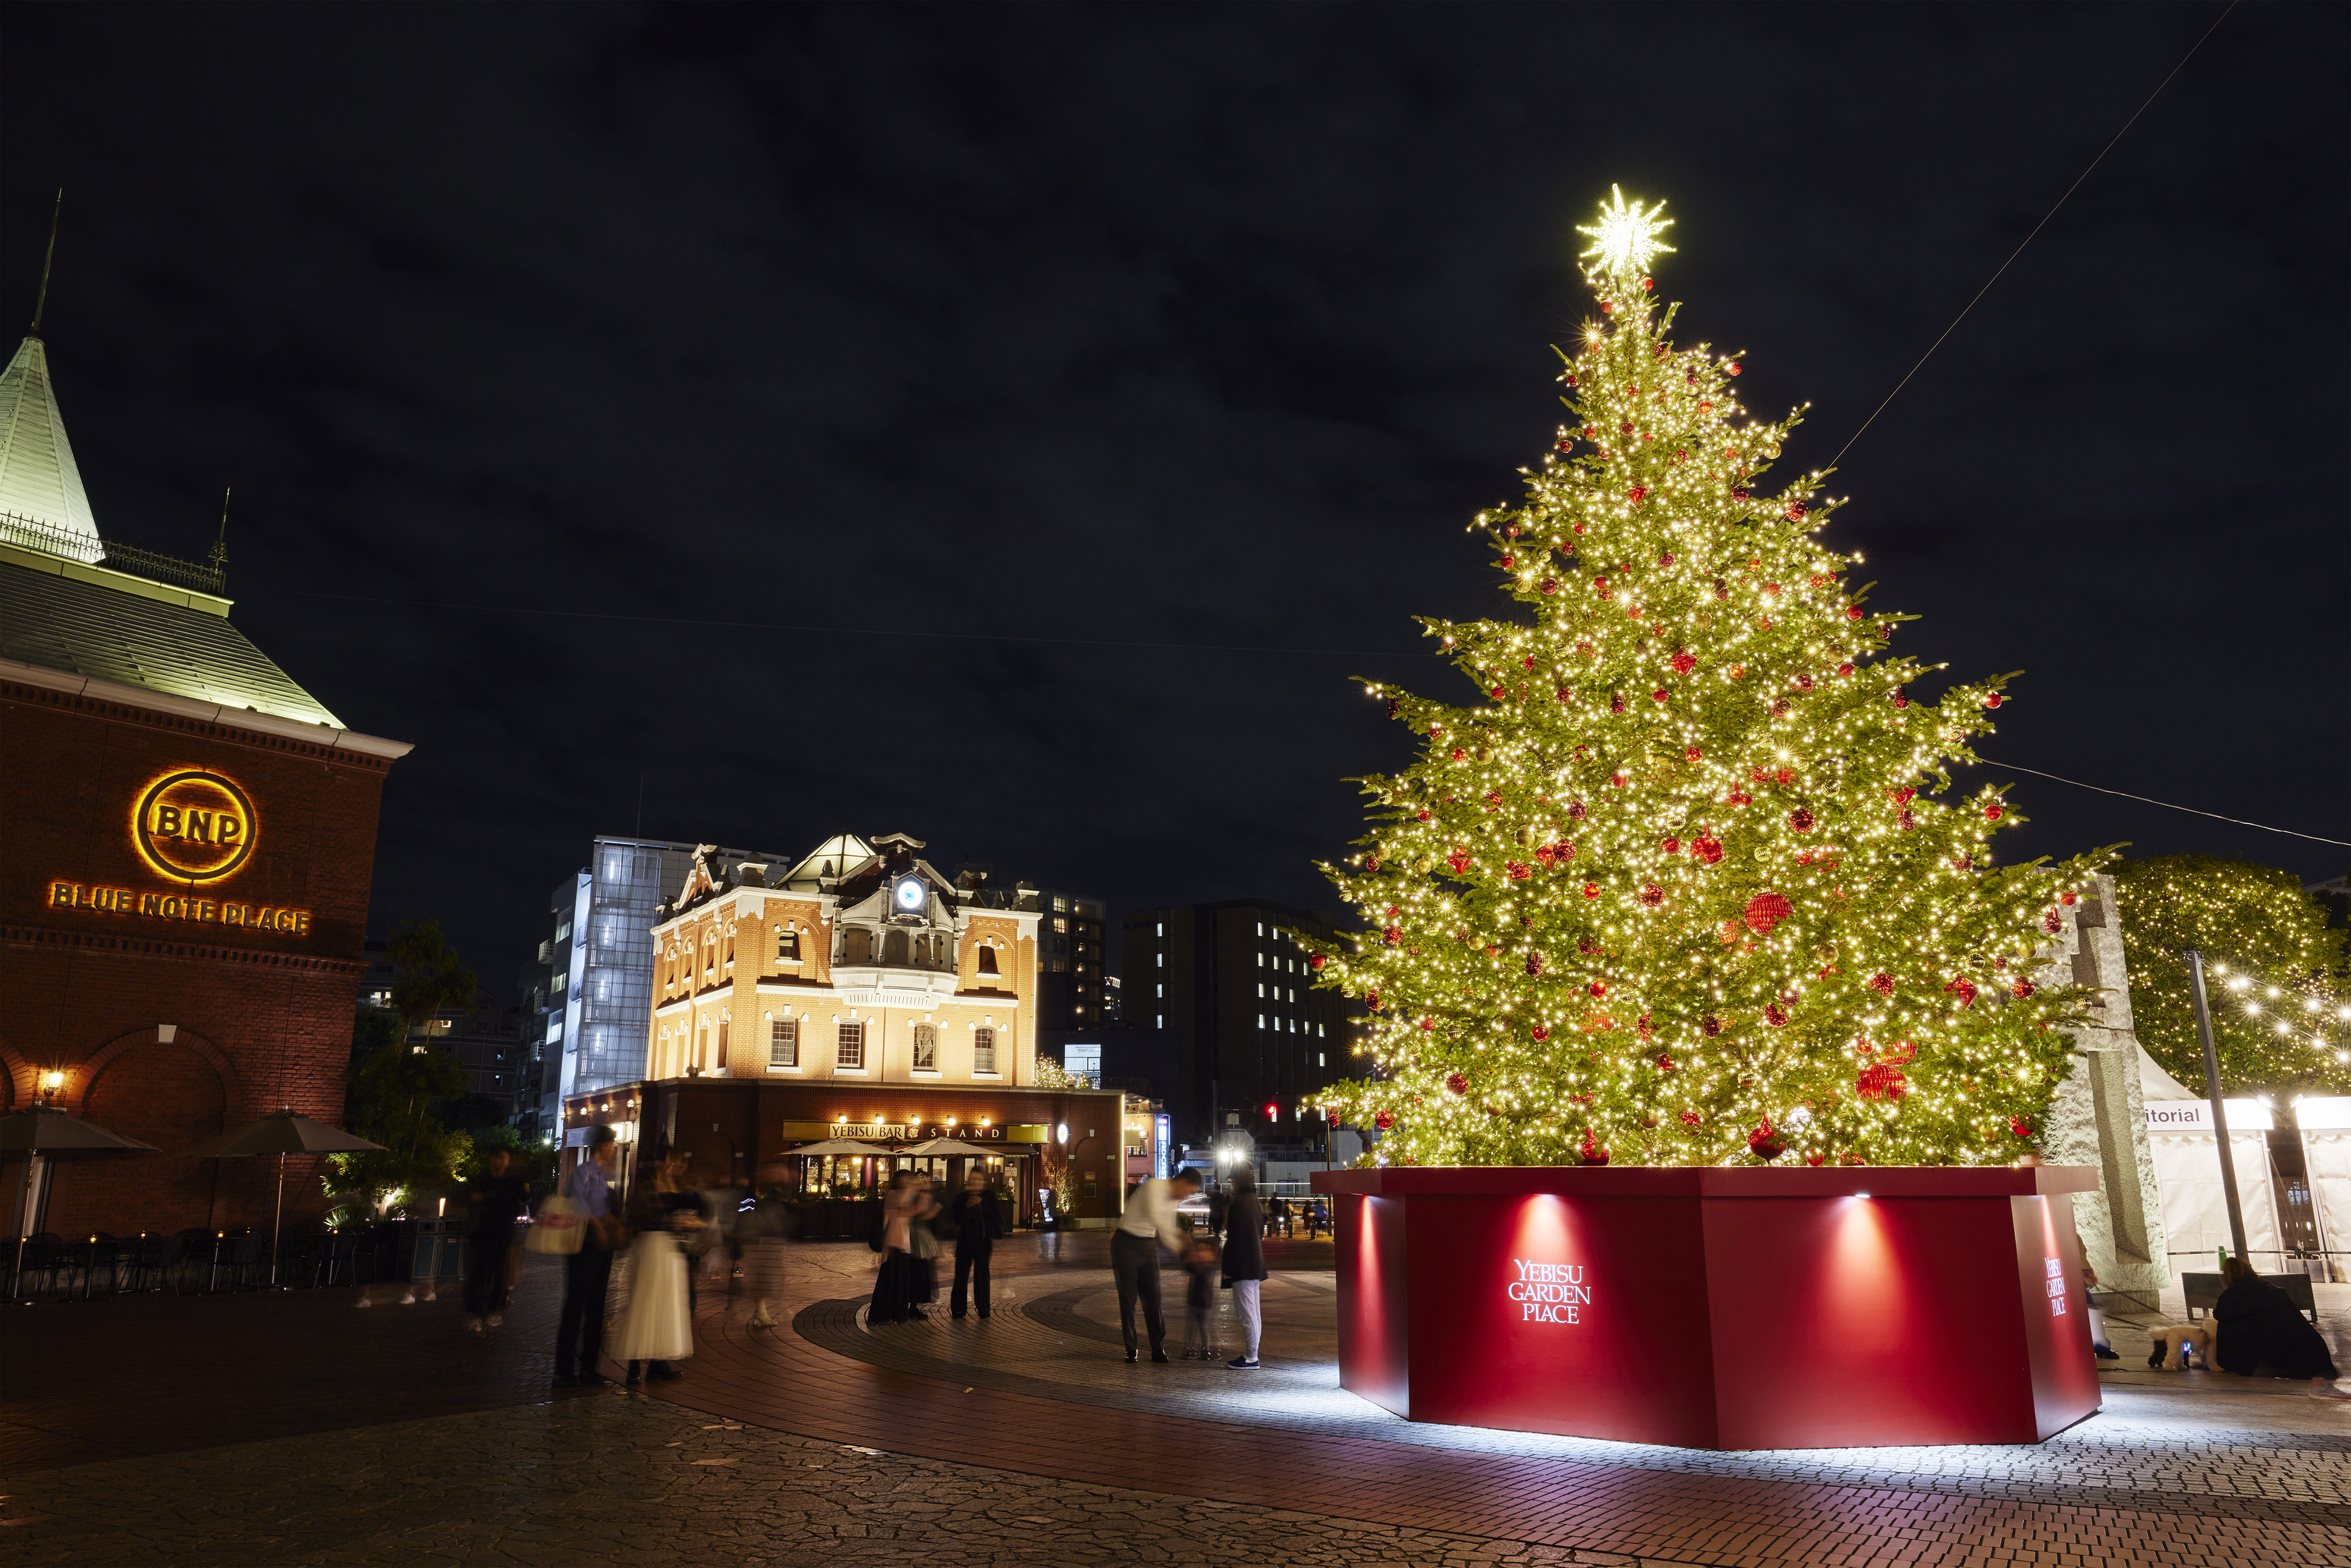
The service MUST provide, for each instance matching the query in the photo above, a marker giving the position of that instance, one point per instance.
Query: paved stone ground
(1028, 1440)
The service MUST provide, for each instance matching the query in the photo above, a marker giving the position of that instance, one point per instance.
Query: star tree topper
(1625, 237)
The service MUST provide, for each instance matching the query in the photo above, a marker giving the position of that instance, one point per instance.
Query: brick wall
(262, 1017)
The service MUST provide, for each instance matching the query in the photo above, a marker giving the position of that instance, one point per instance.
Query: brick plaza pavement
(293, 1429)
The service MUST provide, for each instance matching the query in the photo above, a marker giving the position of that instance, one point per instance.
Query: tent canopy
(845, 1147)
(934, 1147)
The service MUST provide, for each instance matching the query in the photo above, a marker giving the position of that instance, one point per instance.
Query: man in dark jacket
(2261, 1331)
(978, 1221)
(1245, 1265)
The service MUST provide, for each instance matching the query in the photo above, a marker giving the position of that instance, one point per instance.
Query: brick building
(184, 883)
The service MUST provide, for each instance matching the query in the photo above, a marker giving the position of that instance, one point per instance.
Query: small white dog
(2179, 1346)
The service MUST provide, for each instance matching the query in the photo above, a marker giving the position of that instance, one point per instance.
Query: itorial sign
(1549, 1292)
(194, 826)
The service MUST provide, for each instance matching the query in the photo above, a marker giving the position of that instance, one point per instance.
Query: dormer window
(788, 946)
(987, 960)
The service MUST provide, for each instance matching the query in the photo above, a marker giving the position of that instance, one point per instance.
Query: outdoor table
(1718, 1307)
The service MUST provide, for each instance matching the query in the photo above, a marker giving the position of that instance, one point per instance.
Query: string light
(1688, 882)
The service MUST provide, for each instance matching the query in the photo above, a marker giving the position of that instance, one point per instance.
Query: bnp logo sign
(194, 825)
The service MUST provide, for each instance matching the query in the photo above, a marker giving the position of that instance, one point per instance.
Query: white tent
(2326, 1122)
(2186, 1152)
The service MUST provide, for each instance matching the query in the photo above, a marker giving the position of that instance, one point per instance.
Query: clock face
(909, 893)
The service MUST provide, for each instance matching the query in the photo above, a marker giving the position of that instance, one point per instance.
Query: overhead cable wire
(2151, 800)
(2036, 230)
(860, 631)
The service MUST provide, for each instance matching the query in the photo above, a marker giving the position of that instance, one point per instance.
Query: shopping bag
(559, 1228)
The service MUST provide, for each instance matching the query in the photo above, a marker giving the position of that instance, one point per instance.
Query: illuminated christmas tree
(1688, 882)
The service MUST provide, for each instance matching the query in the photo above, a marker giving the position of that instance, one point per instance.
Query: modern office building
(189, 847)
(590, 992)
(1071, 949)
(1253, 1039)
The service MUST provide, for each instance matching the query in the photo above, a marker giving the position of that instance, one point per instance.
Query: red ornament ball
(1565, 695)
(1594, 1153)
(1766, 910)
(1706, 847)
(1422, 815)
(1843, 670)
(1392, 935)
(2068, 899)
(1653, 895)
(1801, 819)
(2020, 1126)
(1965, 989)
(1542, 1033)
(1775, 1015)
(1499, 693)
(1591, 890)
(1992, 699)
(1598, 988)
(1637, 494)
(1551, 585)
(1428, 1026)
(1882, 984)
(1905, 820)
(1853, 611)
(1766, 1143)
(1458, 1083)
(2022, 989)
(1509, 561)
(1660, 695)
(1316, 962)
(1671, 846)
(1795, 511)
(1383, 1121)
(1900, 698)
(1732, 368)
(1692, 753)
(1684, 663)
(1709, 1027)
(1647, 284)
(1738, 492)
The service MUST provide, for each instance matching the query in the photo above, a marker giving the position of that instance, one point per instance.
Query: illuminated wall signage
(178, 906)
(194, 826)
(2055, 1284)
(1549, 1292)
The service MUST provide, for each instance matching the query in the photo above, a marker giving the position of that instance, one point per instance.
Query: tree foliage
(2274, 972)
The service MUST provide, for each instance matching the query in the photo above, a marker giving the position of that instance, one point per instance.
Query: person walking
(978, 1221)
(1219, 1201)
(895, 1282)
(656, 1328)
(588, 1273)
(496, 1198)
(1148, 1224)
(1245, 1266)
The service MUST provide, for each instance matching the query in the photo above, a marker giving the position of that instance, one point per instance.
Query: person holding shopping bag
(656, 1327)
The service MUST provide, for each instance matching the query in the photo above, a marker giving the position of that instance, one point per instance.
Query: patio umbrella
(39, 1132)
(937, 1148)
(280, 1134)
(837, 1146)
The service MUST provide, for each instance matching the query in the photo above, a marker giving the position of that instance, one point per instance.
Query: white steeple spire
(39, 483)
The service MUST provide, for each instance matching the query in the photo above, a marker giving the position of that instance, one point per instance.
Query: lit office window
(983, 1050)
(851, 1050)
(784, 1043)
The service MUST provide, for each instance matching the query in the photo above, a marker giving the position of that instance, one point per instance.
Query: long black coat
(2261, 1330)
(979, 1222)
(1244, 1239)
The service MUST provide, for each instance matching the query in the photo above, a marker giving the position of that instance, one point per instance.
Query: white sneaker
(2329, 1392)
(409, 1300)
(494, 1319)
(473, 1323)
(365, 1302)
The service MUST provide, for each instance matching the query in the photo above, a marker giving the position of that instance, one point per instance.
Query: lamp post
(2212, 1091)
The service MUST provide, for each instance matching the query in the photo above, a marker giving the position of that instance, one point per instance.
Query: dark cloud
(1162, 325)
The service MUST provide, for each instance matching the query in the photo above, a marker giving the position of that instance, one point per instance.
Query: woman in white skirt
(657, 1327)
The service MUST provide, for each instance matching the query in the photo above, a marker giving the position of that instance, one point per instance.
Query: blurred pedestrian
(978, 1221)
(1148, 1224)
(1219, 1201)
(1280, 1216)
(769, 1220)
(1244, 1266)
(2101, 1347)
(895, 1282)
(588, 1273)
(497, 1199)
(1200, 1300)
(656, 1327)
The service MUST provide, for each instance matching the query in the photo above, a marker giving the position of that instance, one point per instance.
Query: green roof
(89, 621)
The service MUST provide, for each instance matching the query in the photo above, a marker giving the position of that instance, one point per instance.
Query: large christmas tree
(1688, 882)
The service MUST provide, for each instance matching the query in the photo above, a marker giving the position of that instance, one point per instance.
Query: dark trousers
(579, 1338)
(1135, 1264)
(971, 1267)
(486, 1275)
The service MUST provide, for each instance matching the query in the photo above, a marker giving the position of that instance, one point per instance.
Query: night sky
(1013, 426)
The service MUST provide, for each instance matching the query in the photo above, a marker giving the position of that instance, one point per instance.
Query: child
(1200, 1300)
